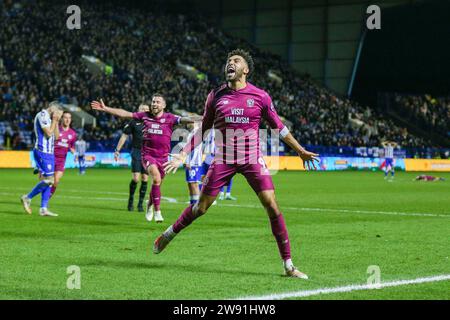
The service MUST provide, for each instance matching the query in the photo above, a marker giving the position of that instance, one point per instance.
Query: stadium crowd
(40, 61)
(428, 112)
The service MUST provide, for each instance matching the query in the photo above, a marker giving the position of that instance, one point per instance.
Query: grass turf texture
(230, 252)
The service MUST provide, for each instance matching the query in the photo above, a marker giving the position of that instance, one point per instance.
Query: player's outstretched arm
(191, 119)
(307, 157)
(100, 106)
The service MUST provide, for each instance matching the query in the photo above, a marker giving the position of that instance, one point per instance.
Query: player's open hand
(175, 163)
(309, 159)
(98, 105)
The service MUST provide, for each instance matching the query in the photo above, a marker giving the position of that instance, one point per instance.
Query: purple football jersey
(65, 142)
(236, 115)
(157, 133)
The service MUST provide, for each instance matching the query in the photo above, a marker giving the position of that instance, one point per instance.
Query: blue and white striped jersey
(209, 147)
(80, 147)
(389, 151)
(194, 159)
(43, 144)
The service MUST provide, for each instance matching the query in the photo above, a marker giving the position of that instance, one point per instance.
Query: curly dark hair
(247, 57)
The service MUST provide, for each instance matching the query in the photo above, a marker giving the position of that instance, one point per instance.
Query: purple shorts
(60, 163)
(149, 160)
(257, 175)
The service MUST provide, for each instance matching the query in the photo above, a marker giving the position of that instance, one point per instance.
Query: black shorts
(136, 162)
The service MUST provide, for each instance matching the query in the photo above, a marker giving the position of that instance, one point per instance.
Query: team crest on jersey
(250, 102)
(70, 136)
(163, 120)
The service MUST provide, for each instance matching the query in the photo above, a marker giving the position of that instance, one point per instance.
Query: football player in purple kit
(157, 132)
(65, 142)
(238, 106)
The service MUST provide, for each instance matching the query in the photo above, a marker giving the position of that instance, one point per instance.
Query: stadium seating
(42, 61)
(426, 111)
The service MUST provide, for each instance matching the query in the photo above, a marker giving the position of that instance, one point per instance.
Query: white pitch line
(77, 191)
(175, 201)
(170, 200)
(349, 288)
(377, 212)
(345, 211)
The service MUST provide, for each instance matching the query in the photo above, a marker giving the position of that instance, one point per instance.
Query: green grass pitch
(339, 224)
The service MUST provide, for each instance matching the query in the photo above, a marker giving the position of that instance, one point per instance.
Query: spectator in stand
(426, 111)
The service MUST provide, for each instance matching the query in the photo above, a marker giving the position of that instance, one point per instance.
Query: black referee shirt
(134, 128)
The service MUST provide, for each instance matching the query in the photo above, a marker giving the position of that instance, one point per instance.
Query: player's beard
(156, 111)
(234, 77)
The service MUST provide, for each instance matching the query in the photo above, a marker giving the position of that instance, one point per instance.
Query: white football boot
(26, 202)
(45, 213)
(149, 213)
(295, 273)
(158, 217)
(291, 271)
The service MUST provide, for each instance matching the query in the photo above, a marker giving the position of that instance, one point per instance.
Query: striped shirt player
(236, 110)
(80, 152)
(43, 145)
(209, 149)
(389, 152)
(45, 130)
(389, 158)
(193, 170)
(194, 163)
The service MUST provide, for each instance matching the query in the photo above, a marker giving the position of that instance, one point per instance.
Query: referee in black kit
(134, 128)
